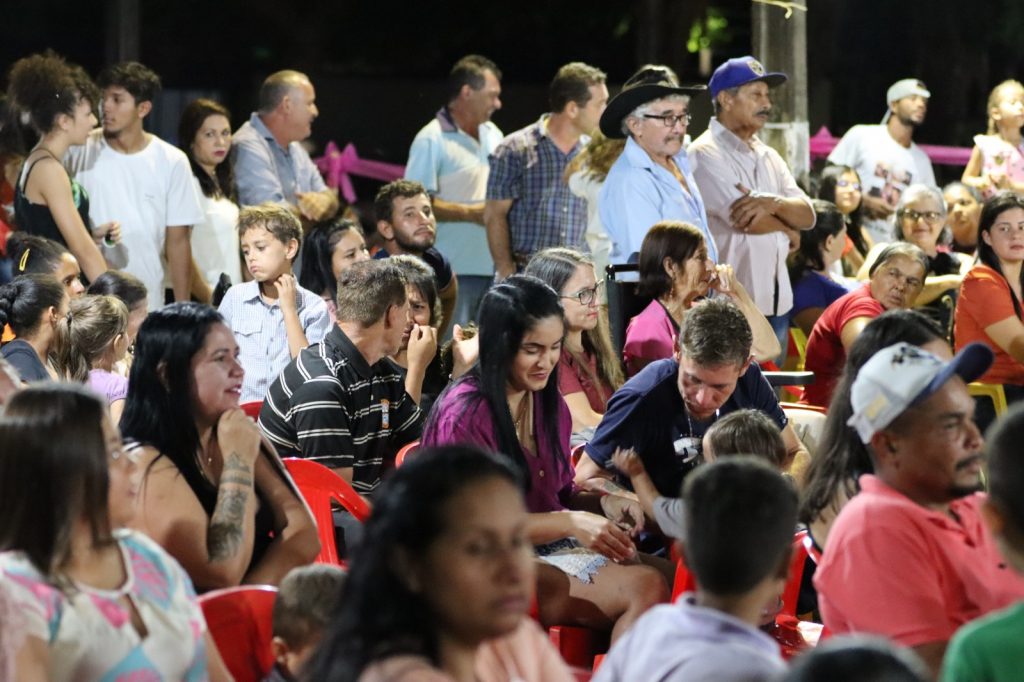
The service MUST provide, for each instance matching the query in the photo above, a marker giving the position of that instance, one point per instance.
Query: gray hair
(277, 86)
(900, 249)
(911, 194)
(715, 106)
(646, 108)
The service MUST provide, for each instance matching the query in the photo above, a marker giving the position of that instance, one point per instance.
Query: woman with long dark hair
(814, 289)
(841, 185)
(214, 493)
(508, 403)
(101, 602)
(588, 370)
(329, 249)
(440, 586)
(59, 99)
(989, 308)
(204, 134)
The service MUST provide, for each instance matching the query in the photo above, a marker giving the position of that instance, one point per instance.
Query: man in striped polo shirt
(342, 402)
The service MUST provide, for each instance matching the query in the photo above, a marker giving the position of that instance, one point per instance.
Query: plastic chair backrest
(799, 340)
(623, 303)
(684, 580)
(993, 392)
(239, 620)
(809, 425)
(319, 485)
(791, 593)
(406, 450)
(252, 409)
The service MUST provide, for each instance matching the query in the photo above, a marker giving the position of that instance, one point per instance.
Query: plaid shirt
(528, 168)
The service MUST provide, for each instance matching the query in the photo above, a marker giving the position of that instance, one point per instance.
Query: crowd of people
(159, 294)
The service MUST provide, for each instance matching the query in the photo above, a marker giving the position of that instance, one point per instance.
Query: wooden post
(123, 20)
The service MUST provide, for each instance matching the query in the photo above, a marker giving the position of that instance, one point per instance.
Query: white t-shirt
(146, 192)
(215, 240)
(885, 168)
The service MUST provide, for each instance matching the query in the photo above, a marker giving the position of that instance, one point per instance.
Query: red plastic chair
(239, 620)
(319, 485)
(252, 409)
(791, 593)
(405, 452)
(576, 453)
(684, 580)
(578, 646)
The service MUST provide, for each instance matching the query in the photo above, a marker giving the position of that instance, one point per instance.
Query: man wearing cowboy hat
(885, 156)
(651, 181)
(755, 207)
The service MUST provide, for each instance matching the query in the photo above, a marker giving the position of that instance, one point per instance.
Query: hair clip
(23, 261)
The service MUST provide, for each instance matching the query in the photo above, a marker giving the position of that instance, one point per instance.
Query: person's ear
(633, 124)
(746, 365)
(280, 649)
(987, 237)
(291, 249)
(466, 91)
(386, 229)
(161, 373)
(143, 108)
(64, 122)
(670, 267)
(572, 109)
(885, 447)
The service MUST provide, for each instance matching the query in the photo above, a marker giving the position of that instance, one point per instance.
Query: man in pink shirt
(909, 557)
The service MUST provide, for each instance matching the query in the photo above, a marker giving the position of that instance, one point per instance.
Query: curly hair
(45, 86)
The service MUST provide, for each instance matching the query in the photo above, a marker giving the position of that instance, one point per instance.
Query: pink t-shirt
(897, 569)
(650, 336)
(526, 655)
(826, 356)
(1000, 157)
(984, 300)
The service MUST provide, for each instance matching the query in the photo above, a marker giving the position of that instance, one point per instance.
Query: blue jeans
(780, 325)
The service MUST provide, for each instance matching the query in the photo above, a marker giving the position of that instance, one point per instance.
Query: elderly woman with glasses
(588, 370)
(919, 219)
(651, 181)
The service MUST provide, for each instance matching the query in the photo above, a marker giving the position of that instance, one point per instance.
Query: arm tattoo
(224, 536)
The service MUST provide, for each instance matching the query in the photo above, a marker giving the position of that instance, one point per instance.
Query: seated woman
(588, 371)
(418, 355)
(963, 210)
(675, 271)
(841, 185)
(99, 601)
(329, 249)
(91, 340)
(810, 267)
(32, 305)
(920, 218)
(214, 494)
(896, 278)
(508, 404)
(440, 587)
(989, 308)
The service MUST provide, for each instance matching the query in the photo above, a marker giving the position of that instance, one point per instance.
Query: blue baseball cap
(740, 71)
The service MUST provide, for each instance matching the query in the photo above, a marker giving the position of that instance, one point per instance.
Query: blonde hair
(597, 157)
(86, 332)
(995, 97)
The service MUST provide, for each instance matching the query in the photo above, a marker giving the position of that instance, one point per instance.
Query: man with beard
(885, 156)
(909, 557)
(406, 221)
(755, 208)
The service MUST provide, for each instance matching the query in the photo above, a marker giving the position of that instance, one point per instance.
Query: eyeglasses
(914, 216)
(669, 120)
(848, 183)
(585, 296)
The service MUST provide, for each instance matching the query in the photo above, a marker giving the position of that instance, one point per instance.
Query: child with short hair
(740, 514)
(989, 648)
(259, 311)
(743, 432)
(91, 340)
(305, 601)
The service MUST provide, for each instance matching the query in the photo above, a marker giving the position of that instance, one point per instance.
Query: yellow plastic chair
(993, 392)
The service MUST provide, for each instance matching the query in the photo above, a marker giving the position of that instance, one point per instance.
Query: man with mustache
(885, 156)
(755, 208)
(909, 557)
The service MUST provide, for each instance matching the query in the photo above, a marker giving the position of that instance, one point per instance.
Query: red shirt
(897, 569)
(574, 378)
(984, 300)
(826, 356)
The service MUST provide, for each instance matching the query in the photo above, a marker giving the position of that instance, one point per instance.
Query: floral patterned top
(1000, 157)
(89, 631)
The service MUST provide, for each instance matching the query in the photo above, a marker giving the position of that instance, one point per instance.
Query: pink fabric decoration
(823, 142)
(338, 167)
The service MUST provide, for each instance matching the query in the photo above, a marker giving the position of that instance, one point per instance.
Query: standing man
(270, 164)
(140, 181)
(755, 208)
(529, 205)
(405, 220)
(885, 155)
(449, 157)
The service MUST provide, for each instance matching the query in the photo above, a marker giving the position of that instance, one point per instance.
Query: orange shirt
(984, 300)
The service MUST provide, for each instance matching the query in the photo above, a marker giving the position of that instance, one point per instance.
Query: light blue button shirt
(639, 193)
(266, 171)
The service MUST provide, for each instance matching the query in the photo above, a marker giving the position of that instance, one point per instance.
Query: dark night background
(378, 67)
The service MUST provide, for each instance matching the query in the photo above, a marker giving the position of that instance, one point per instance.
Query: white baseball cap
(904, 88)
(901, 376)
